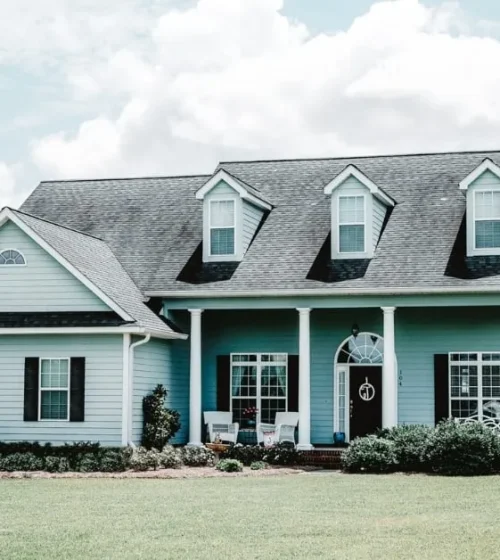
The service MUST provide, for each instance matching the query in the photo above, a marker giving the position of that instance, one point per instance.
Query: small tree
(160, 423)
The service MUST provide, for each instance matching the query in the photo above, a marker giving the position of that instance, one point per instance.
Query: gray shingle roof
(154, 225)
(94, 259)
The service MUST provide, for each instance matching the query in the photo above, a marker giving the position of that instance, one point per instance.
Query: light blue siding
(252, 216)
(379, 212)
(351, 186)
(486, 180)
(103, 388)
(166, 363)
(420, 334)
(222, 188)
(43, 284)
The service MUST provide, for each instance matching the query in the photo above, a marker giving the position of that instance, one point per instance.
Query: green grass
(303, 516)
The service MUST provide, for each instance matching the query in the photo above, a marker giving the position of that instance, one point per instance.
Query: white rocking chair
(220, 425)
(282, 430)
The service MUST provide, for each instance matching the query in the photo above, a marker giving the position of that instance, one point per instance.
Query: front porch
(331, 371)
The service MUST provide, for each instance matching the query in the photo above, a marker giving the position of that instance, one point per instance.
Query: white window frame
(259, 363)
(17, 251)
(46, 389)
(233, 227)
(479, 363)
(483, 250)
(363, 223)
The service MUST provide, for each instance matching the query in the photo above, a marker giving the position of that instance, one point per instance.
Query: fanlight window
(365, 348)
(11, 256)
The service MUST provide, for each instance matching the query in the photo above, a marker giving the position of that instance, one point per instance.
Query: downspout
(128, 385)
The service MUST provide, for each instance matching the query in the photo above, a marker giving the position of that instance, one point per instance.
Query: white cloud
(8, 195)
(236, 79)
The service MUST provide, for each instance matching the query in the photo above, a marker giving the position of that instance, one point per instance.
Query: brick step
(328, 458)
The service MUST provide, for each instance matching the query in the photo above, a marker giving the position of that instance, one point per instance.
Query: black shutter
(441, 387)
(223, 383)
(77, 390)
(293, 383)
(31, 375)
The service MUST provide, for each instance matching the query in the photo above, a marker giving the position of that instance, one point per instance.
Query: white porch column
(195, 378)
(304, 380)
(389, 374)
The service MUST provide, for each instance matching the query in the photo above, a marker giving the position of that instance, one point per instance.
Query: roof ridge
(151, 177)
(373, 156)
(56, 224)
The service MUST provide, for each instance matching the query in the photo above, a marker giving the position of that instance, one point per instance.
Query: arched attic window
(12, 256)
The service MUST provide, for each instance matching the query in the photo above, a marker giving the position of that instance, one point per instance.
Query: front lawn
(303, 516)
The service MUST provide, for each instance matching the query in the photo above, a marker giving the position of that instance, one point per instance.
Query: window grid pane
(222, 241)
(487, 234)
(351, 210)
(11, 256)
(54, 405)
(487, 205)
(54, 385)
(352, 239)
(222, 213)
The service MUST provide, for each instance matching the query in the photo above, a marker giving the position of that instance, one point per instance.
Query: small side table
(218, 448)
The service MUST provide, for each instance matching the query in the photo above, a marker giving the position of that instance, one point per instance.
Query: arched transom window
(11, 256)
(366, 348)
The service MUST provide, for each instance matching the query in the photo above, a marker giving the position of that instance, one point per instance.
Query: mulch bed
(183, 472)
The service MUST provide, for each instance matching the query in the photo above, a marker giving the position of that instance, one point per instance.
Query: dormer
(359, 209)
(232, 213)
(482, 188)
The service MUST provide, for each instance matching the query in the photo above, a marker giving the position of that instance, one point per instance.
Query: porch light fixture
(355, 330)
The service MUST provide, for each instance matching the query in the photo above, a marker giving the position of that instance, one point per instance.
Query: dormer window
(232, 214)
(359, 210)
(351, 236)
(222, 227)
(487, 219)
(482, 188)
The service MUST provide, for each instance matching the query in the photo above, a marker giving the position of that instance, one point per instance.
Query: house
(360, 292)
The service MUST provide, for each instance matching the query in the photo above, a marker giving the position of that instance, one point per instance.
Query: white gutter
(324, 292)
(128, 385)
(92, 330)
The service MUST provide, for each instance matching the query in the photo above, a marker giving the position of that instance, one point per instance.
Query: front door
(365, 388)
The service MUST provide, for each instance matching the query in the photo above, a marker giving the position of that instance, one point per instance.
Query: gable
(43, 284)
(486, 180)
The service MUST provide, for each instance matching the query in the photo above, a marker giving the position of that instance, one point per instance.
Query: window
(487, 219)
(351, 224)
(222, 227)
(11, 256)
(54, 389)
(258, 380)
(475, 385)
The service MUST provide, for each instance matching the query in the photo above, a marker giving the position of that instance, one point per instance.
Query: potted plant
(250, 415)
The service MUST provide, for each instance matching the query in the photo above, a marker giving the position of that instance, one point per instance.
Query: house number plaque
(366, 391)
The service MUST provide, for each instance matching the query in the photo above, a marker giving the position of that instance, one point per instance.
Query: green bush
(56, 464)
(258, 465)
(247, 454)
(410, 443)
(282, 454)
(111, 460)
(160, 423)
(169, 458)
(88, 462)
(21, 462)
(194, 456)
(370, 454)
(463, 449)
(229, 465)
(143, 459)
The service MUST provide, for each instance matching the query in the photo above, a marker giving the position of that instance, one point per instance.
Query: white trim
(48, 389)
(322, 292)
(130, 403)
(353, 171)
(486, 165)
(92, 330)
(195, 378)
(222, 175)
(125, 387)
(7, 214)
(472, 248)
(367, 252)
(17, 251)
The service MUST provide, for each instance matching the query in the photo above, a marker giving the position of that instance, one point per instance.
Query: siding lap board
(43, 284)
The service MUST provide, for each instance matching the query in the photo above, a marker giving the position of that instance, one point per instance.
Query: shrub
(111, 460)
(410, 443)
(258, 465)
(169, 458)
(21, 462)
(194, 456)
(160, 423)
(89, 462)
(229, 465)
(370, 454)
(282, 454)
(463, 449)
(247, 454)
(144, 459)
(55, 464)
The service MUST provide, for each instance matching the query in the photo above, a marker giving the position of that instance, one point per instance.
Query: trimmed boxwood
(370, 454)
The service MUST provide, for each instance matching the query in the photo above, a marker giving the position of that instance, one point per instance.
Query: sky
(93, 89)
